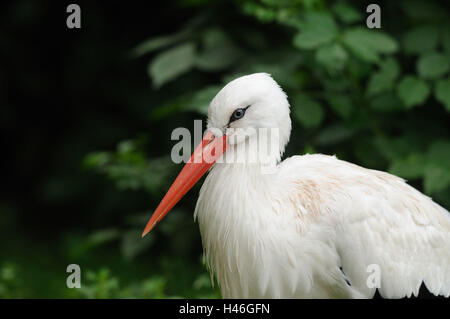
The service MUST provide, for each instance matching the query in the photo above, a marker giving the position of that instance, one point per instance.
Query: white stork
(317, 227)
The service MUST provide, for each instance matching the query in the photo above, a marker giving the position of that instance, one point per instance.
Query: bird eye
(237, 114)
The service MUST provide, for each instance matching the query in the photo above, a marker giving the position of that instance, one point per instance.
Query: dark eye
(238, 114)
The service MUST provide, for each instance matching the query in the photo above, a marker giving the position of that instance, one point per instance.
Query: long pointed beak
(205, 155)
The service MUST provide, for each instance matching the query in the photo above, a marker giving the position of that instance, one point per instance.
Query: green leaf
(392, 148)
(317, 29)
(283, 74)
(277, 3)
(132, 244)
(436, 179)
(437, 171)
(97, 159)
(386, 102)
(383, 80)
(423, 10)
(332, 57)
(96, 239)
(201, 99)
(442, 92)
(260, 12)
(412, 91)
(421, 39)
(410, 167)
(157, 43)
(102, 236)
(333, 135)
(307, 111)
(341, 104)
(358, 69)
(445, 37)
(439, 154)
(433, 65)
(218, 51)
(346, 13)
(390, 67)
(368, 44)
(378, 83)
(172, 63)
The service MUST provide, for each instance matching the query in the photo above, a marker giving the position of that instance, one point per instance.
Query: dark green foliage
(343, 67)
(378, 98)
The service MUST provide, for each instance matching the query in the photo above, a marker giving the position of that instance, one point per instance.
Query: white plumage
(318, 225)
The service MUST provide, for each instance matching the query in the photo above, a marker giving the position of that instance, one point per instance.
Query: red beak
(205, 155)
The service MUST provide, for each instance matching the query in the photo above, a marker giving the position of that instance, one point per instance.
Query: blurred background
(86, 117)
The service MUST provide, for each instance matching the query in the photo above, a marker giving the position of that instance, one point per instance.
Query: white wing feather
(379, 223)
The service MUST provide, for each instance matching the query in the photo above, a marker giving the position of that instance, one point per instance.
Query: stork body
(316, 227)
(319, 228)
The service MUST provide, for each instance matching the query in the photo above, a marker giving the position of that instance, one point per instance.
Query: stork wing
(388, 235)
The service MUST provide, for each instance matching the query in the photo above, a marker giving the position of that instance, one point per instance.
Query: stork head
(248, 104)
(243, 109)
